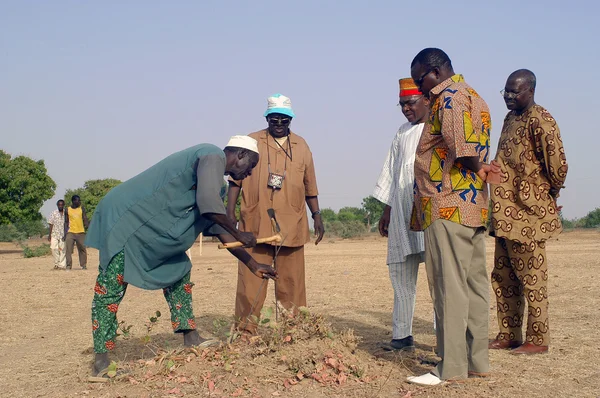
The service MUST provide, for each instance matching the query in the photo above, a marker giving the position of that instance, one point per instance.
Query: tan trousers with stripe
(459, 286)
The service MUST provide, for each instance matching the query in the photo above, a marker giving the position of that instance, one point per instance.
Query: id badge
(275, 181)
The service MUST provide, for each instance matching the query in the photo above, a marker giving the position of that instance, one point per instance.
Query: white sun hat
(243, 141)
(278, 103)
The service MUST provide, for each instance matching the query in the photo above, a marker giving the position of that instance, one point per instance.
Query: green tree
(570, 224)
(352, 214)
(92, 193)
(592, 220)
(24, 187)
(373, 209)
(328, 215)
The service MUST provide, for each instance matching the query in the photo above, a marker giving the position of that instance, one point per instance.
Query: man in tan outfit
(285, 181)
(524, 215)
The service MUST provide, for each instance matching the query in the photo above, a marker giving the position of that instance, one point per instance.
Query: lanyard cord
(287, 155)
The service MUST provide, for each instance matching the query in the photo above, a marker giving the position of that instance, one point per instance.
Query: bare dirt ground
(46, 347)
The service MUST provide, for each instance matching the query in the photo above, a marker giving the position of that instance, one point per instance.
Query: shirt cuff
(466, 151)
(235, 182)
(381, 196)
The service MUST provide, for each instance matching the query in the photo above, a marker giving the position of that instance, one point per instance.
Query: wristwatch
(316, 213)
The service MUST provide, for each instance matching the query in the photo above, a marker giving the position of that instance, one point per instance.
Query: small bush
(10, 233)
(592, 220)
(33, 229)
(570, 224)
(38, 251)
(22, 230)
(345, 230)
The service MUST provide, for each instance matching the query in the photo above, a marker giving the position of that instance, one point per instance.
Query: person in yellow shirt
(76, 222)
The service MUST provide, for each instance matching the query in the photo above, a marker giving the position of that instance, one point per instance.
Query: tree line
(24, 187)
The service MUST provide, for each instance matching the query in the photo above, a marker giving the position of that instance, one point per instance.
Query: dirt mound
(299, 355)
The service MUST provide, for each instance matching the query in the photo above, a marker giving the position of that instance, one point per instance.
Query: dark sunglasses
(419, 81)
(280, 120)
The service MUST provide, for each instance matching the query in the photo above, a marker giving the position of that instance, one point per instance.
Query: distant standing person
(56, 236)
(76, 222)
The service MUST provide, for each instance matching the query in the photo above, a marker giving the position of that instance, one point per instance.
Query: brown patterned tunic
(534, 168)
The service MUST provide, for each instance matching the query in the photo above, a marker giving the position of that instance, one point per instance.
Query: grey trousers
(71, 241)
(459, 287)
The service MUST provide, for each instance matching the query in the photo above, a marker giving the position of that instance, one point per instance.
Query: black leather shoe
(406, 343)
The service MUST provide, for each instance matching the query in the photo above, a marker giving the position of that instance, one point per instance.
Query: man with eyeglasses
(284, 180)
(525, 215)
(451, 207)
(395, 188)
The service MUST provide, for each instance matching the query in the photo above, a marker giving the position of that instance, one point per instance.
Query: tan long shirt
(534, 168)
(289, 202)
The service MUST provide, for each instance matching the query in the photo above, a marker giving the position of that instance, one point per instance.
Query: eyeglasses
(419, 81)
(410, 103)
(280, 120)
(510, 95)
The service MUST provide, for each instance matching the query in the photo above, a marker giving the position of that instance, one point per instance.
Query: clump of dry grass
(291, 327)
(309, 347)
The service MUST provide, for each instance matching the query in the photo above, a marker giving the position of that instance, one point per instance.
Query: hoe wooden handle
(270, 239)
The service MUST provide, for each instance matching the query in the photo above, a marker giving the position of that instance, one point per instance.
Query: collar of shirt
(437, 90)
(271, 142)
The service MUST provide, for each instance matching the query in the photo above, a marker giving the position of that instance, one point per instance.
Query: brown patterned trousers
(521, 272)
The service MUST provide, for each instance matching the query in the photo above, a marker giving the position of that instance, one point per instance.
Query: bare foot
(101, 362)
(192, 338)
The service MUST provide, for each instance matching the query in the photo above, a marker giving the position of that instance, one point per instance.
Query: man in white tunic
(395, 189)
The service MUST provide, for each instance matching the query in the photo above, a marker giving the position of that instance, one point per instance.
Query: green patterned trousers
(109, 291)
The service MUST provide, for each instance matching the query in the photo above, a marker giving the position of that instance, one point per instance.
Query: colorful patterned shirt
(57, 220)
(534, 169)
(459, 126)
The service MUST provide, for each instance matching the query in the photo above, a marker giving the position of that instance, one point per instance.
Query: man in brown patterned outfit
(525, 215)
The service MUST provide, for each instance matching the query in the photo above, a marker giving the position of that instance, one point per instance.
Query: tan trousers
(58, 252)
(458, 282)
(70, 241)
(251, 293)
(521, 271)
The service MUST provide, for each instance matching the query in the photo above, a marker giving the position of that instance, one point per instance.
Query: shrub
(10, 233)
(38, 251)
(22, 230)
(592, 220)
(345, 230)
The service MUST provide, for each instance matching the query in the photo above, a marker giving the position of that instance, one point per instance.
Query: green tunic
(157, 215)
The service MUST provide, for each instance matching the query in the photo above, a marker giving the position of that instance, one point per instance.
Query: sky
(107, 89)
